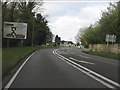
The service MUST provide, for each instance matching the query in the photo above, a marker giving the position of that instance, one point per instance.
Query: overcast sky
(67, 17)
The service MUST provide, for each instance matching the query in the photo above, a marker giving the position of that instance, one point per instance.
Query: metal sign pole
(22, 42)
(107, 43)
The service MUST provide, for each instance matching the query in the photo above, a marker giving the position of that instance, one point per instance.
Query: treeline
(109, 23)
(38, 31)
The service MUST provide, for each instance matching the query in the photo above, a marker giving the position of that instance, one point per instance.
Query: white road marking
(83, 56)
(82, 61)
(17, 72)
(53, 52)
(94, 73)
(88, 73)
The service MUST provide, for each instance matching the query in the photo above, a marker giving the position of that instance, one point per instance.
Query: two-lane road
(47, 69)
(104, 66)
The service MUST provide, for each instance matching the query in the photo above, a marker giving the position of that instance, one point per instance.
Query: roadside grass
(12, 56)
(104, 54)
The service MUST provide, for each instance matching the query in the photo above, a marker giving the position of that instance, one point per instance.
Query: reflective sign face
(110, 38)
(15, 30)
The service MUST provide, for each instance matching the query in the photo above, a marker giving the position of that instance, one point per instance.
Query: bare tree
(79, 35)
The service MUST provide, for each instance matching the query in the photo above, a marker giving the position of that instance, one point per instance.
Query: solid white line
(53, 52)
(97, 79)
(104, 78)
(17, 72)
(82, 61)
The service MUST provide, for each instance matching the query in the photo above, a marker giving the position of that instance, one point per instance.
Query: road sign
(107, 38)
(15, 30)
(110, 38)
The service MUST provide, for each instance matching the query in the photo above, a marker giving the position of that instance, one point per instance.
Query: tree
(79, 34)
(42, 31)
(108, 24)
(9, 14)
(38, 30)
(57, 40)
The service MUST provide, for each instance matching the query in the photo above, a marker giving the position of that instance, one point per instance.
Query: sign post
(7, 43)
(110, 38)
(107, 39)
(15, 30)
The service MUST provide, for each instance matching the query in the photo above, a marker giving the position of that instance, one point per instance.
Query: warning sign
(15, 30)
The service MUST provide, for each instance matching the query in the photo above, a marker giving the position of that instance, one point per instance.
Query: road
(66, 68)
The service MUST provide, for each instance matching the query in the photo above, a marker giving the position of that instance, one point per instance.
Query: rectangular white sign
(110, 38)
(15, 30)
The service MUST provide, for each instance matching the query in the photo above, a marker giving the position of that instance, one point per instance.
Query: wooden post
(7, 42)
(22, 42)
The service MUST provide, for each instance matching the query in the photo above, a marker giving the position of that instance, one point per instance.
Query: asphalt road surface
(66, 68)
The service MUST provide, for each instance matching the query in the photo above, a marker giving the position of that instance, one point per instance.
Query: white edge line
(113, 82)
(53, 52)
(17, 72)
(97, 79)
(82, 61)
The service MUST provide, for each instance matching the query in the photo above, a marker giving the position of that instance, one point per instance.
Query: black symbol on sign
(13, 34)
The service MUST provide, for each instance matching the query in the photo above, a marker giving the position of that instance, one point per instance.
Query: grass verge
(12, 56)
(104, 54)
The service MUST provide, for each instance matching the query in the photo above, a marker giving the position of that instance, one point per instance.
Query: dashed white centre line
(82, 61)
(83, 56)
(90, 71)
